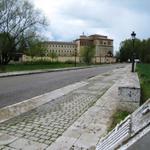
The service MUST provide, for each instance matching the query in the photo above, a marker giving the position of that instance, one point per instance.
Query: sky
(68, 19)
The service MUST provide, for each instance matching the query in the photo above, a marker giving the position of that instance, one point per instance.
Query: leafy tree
(117, 55)
(7, 48)
(18, 20)
(36, 48)
(127, 49)
(141, 50)
(145, 51)
(87, 53)
(53, 55)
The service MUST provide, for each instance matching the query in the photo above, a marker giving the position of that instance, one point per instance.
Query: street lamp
(133, 34)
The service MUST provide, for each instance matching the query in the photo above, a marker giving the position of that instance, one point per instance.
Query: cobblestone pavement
(39, 128)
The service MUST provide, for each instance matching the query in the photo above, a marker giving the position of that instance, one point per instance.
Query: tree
(117, 55)
(53, 55)
(126, 49)
(36, 48)
(87, 53)
(141, 50)
(145, 51)
(18, 20)
(7, 48)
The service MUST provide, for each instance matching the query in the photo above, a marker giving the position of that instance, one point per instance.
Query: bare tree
(19, 20)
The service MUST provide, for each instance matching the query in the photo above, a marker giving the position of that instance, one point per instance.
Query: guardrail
(117, 136)
(132, 133)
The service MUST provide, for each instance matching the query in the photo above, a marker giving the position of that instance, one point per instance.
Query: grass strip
(144, 76)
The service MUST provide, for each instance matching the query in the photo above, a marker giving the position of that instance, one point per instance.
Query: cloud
(114, 18)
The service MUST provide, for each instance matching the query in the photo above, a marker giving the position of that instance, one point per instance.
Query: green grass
(144, 76)
(117, 118)
(24, 67)
(37, 65)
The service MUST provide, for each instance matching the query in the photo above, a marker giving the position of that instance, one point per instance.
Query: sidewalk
(75, 120)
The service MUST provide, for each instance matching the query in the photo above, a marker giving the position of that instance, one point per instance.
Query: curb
(10, 74)
(11, 111)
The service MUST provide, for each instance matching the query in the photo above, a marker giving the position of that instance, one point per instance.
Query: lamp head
(133, 34)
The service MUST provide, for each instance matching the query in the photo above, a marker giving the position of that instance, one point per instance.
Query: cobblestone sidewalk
(40, 127)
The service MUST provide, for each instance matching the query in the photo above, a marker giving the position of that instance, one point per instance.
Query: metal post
(133, 34)
(133, 57)
(75, 63)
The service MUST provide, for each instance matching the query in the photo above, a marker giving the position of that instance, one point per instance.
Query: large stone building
(66, 51)
(61, 48)
(103, 45)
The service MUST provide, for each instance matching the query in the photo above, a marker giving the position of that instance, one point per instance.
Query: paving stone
(1, 147)
(6, 139)
(45, 137)
(25, 144)
(48, 142)
(64, 143)
(86, 140)
(7, 148)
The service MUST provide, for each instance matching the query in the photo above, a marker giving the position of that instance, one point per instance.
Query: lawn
(24, 67)
(144, 76)
(36, 66)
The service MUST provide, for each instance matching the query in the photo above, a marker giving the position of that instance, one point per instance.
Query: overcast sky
(115, 18)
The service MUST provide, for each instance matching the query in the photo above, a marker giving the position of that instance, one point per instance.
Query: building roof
(98, 36)
(93, 37)
(60, 42)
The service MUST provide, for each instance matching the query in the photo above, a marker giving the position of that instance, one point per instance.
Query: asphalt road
(19, 88)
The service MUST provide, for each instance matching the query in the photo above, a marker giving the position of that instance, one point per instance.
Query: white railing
(117, 136)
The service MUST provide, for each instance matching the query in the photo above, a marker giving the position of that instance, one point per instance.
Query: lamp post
(75, 63)
(133, 34)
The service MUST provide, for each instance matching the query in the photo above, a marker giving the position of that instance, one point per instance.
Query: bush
(2, 68)
(147, 59)
(69, 62)
(41, 62)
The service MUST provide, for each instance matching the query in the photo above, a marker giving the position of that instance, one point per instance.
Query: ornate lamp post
(133, 34)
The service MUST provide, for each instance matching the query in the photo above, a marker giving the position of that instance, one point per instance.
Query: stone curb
(10, 74)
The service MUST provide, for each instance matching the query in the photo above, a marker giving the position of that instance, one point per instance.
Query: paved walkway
(38, 129)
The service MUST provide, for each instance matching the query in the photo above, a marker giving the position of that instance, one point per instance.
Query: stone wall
(95, 60)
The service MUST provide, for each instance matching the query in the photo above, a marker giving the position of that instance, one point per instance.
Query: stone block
(25, 144)
(62, 143)
(129, 92)
(6, 139)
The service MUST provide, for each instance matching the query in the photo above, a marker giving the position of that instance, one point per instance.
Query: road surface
(19, 88)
